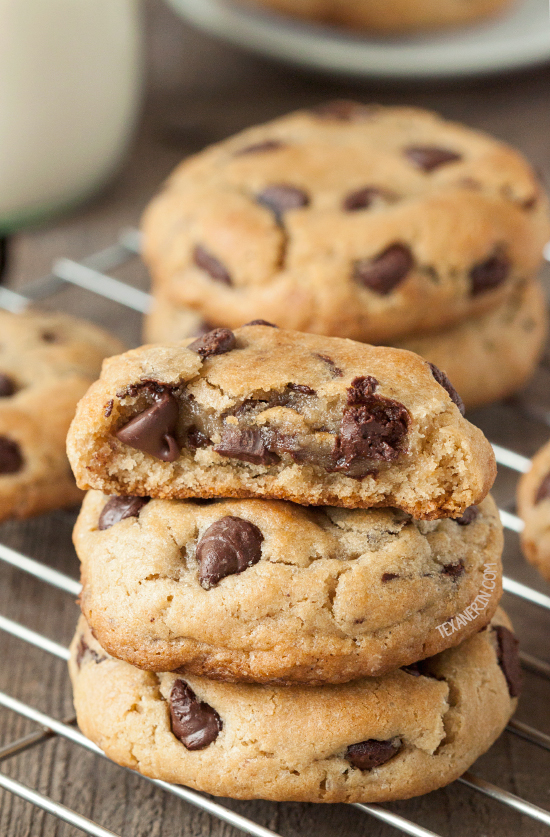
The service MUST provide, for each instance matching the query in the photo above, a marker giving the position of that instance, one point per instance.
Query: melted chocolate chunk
(389, 577)
(260, 322)
(194, 723)
(386, 271)
(260, 147)
(83, 650)
(364, 198)
(373, 428)
(49, 337)
(430, 157)
(543, 490)
(444, 382)
(508, 659)
(119, 508)
(196, 439)
(7, 386)
(11, 459)
(216, 342)
(280, 197)
(303, 388)
(249, 445)
(152, 431)
(228, 547)
(453, 570)
(209, 263)
(489, 274)
(468, 517)
(335, 371)
(345, 110)
(372, 753)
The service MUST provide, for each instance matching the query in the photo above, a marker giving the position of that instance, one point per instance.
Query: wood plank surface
(198, 91)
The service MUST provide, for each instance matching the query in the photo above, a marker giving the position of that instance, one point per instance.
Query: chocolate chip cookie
(534, 509)
(262, 412)
(487, 357)
(348, 220)
(372, 740)
(47, 362)
(381, 17)
(265, 591)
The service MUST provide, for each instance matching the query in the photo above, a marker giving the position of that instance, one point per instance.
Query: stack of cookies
(384, 225)
(291, 570)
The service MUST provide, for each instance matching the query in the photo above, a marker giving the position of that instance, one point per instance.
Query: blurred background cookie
(534, 508)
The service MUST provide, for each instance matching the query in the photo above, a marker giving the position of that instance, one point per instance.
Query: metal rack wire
(91, 274)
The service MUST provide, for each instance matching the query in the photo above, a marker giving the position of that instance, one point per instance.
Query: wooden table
(200, 91)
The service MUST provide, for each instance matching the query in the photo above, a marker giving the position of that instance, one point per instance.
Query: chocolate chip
(109, 408)
(389, 577)
(361, 389)
(430, 157)
(11, 460)
(83, 650)
(196, 439)
(335, 371)
(345, 110)
(544, 490)
(372, 753)
(453, 570)
(468, 517)
(303, 388)
(386, 271)
(260, 147)
(280, 197)
(152, 431)
(444, 382)
(209, 263)
(508, 659)
(7, 386)
(49, 337)
(216, 342)
(194, 722)
(373, 428)
(228, 547)
(489, 274)
(260, 322)
(248, 445)
(363, 198)
(119, 508)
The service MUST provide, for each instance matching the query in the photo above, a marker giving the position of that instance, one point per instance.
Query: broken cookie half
(279, 414)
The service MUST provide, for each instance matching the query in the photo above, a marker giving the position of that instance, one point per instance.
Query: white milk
(70, 80)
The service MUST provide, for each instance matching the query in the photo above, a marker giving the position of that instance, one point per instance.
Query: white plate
(521, 38)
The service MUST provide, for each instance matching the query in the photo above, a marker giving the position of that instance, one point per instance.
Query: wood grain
(199, 91)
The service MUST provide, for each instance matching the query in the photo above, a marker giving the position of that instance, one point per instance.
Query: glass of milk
(70, 84)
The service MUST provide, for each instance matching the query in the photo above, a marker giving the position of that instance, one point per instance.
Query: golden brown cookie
(487, 357)
(383, 17)
(349, 220)
(372, 740)
(267, 591)
(47, 362)
(268, 413)
(534, 509)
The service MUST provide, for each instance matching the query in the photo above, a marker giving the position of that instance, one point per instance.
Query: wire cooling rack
(91, 274)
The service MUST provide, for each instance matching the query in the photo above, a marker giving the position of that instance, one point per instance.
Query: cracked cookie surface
(487, 357)
(269, 591)
(348, 220)
(534, 509)
(372, 740)
(281, 415)
(47, 362)
(387, 18)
